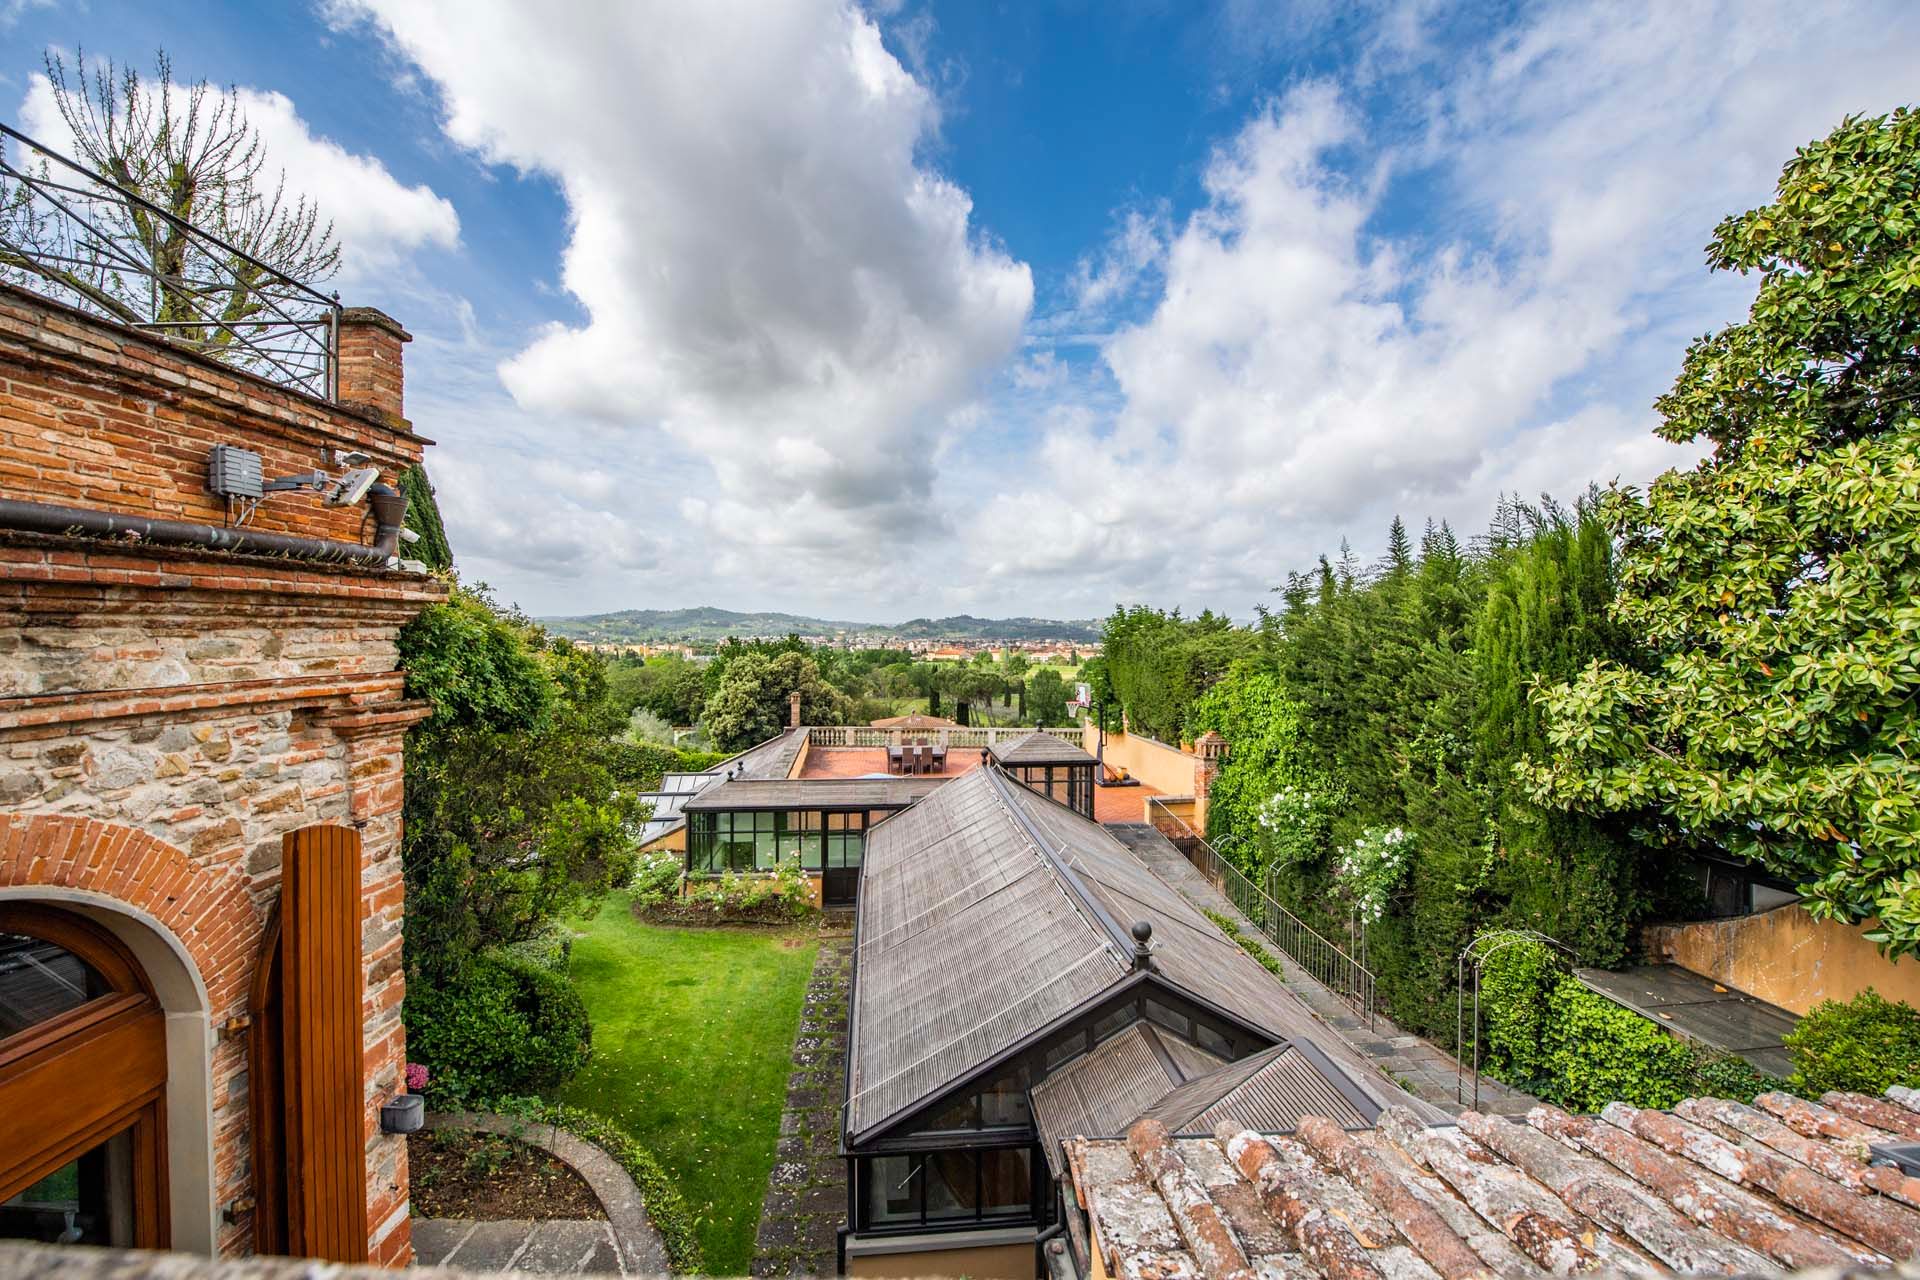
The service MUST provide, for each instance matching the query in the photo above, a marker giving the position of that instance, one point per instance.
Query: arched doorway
(83, 1074)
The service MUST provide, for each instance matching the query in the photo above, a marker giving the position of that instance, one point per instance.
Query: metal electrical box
(233, 472)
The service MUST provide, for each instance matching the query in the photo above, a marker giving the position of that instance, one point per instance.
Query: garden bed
(706, 915)
(487, 1176)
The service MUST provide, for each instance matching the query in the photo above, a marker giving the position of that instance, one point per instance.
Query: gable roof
(987, 913)
(1712, 1187)
(1039, 748)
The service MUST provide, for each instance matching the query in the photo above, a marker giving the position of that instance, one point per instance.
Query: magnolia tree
(1776, 585)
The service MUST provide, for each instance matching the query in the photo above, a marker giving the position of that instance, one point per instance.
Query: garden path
(625, 1242)
(807, 1192)
(1417, 1065)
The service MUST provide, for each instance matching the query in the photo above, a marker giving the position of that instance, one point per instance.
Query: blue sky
(910, 308)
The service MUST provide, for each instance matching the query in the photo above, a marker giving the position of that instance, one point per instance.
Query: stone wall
(167, 714)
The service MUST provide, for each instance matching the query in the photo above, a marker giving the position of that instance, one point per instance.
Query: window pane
(1117, 1020)
(1072, 1047)
(1169, 1017)
(40, 980)
(963, 1113)
(87, 1201)
(1004, 1102)
(1211, 1039)
(893, 1189)
(950, 1188)
(1006, 1182)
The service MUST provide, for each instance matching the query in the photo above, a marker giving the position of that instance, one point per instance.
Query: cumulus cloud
(1309, 366)
(772, 277)
(380, 221)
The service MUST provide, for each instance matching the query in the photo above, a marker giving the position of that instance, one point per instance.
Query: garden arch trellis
(1474, 959)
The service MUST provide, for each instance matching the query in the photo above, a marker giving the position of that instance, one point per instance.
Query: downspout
(389, 510)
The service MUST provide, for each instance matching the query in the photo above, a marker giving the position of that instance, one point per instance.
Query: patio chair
(917, 758)
(896, 760)
(938, 755)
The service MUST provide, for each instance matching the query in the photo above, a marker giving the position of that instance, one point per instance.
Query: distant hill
(708, 625)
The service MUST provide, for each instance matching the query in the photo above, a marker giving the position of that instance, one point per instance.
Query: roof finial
(1142, 943)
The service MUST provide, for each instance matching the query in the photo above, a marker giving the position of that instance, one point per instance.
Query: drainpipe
(389, 510)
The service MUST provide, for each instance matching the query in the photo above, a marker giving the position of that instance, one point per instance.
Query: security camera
(408, 536)
(353, 486)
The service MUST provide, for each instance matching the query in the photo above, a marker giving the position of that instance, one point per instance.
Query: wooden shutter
(321, 1044)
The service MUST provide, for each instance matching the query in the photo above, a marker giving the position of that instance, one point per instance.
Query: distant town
(957, 637)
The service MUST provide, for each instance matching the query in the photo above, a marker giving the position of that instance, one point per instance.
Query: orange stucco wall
(1786, 957)
(1166, 769)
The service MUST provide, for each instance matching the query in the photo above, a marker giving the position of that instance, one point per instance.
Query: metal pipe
(46, 517)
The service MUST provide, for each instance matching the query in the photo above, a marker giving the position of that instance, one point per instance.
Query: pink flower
(416, 1076)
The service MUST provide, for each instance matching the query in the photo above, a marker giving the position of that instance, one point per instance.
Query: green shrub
(550, 949)
(1515, 983)
(1862, 1045)
(656, 878)
(1728, 1076)
(1598, 1052)
(504, 1025)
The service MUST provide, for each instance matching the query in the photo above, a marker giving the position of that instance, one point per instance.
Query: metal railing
(985, 736)
(80, 238)
(1323, 960)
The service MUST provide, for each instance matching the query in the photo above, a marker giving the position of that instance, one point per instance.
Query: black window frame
(1037, 1210)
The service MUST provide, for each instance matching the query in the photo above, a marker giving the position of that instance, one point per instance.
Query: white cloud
(1317, 359)
(379, 220)
(773, 279)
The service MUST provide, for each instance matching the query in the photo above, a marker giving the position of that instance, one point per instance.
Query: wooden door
(321, 1045)
(83, 1074)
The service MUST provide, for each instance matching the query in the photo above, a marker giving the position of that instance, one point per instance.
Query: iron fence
(80, 238)
(1323, 960)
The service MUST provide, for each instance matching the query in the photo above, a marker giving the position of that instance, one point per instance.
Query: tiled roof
(1147, 1071)
(1712, 1187)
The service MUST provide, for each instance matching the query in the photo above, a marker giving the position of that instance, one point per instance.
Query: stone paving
(807, 1192)
(1417, 1065)
(558, 1247)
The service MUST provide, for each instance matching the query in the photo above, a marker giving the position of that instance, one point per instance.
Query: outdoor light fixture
(237, 475)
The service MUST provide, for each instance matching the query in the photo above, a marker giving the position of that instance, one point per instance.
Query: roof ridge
(1118, 936)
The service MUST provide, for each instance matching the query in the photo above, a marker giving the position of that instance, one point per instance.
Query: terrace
(859, 752)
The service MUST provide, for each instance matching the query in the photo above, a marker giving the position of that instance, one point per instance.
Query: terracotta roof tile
(1711, 1188)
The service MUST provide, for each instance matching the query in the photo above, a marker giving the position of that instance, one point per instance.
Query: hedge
(1549, 1035)
(1861, 1045)
(504, 1025)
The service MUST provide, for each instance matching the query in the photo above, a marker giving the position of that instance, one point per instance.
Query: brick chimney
(1211, 748)
(371, 376)
(793, 709)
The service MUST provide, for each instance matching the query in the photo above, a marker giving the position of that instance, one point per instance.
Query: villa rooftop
(1713, 1187)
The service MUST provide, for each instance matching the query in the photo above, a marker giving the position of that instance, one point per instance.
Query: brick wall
(168, 713)
(107, 418)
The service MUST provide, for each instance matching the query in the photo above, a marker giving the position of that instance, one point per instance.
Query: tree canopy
(1776, 583)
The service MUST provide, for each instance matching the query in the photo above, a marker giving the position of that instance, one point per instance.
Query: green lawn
(692, 1042)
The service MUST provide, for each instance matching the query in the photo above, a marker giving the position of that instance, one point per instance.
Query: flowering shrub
(656, 877)
(1293, 825)
(1372, 867)
(752, 898)
(417, 1076)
